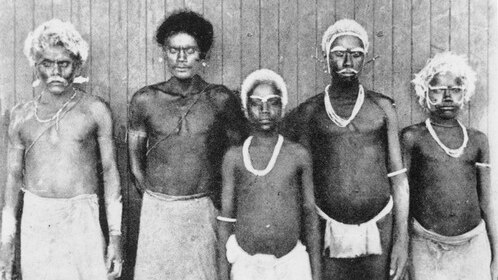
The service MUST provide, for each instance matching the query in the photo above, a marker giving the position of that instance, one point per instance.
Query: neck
(339, 88)
(56, 99)
(184, 87)
(265, 137)
(438, 121)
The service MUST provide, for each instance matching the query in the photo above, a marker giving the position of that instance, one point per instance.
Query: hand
(6, 260)
(399, 258)
(114, 257)
(494, 269)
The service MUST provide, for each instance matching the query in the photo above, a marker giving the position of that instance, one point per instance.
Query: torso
(444, 190)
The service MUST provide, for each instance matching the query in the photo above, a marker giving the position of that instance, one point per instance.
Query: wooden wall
(283, 35)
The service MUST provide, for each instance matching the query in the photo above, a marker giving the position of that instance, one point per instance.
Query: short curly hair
(191, 23)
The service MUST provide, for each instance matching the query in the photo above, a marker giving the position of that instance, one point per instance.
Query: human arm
(15, 166)
(295, 125)
(225, 228)
(488, 201)
(112, 187)
(232, 116)
(310, 216)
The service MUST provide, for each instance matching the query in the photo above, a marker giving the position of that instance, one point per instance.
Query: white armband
(481, 164)
(8, 225)
(225, 219)
(392, 174)
(114, 211)
(137, 133)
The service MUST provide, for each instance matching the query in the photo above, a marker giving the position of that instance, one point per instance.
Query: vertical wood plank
(100, 48)
(232, 43)
(364, 15)
(421, 47)
(459, 39)
(440, 26)
(171, 6)
(382, 44)
(402, 93)
(80, 17)
(61, 9)
(23, 72)
(154, 54)
(478, 59)
(306, 50)
(196, 5)
(42, 12)
(325, 17)
(344, 9)
(250, 37)
(493, 86)
(269, 34)
(288, 48)
(213, 71)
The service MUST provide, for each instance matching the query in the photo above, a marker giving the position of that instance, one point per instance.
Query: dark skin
(274, 210)
(450, 195)
(188, 161)
(351, 163)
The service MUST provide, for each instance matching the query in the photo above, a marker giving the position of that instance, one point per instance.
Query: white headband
(263, 75)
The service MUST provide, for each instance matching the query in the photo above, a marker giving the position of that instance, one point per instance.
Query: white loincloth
(353, 240)
(295, 265)
(62, 239)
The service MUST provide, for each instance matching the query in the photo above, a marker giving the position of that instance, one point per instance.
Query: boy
(269, 209)
(452, 200)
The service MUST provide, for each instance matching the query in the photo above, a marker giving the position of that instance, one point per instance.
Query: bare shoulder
(232, 155)
(411, 133)
(19, 113)
(383, 101)
(96, 105)
(306, 109)
(221, 95)
(478, 137)
(297, 151)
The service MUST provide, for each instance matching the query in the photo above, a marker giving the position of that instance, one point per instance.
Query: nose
(182, 55)
(55, 70)
(447, 95)
(348, 60)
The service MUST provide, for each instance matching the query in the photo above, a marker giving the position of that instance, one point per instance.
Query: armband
(481, 164)
(392, 174)
(114, 211)
(137, 133)
(8, 225)
(225, 219)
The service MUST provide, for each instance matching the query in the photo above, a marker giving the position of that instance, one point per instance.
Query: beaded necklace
(338, 120)
(451, 152)
(247, 157)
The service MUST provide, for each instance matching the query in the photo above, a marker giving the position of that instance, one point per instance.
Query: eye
(456, 90)
(172, 50)
(47, 64)
(357, 54)
(274, 101)
(190, 50)
(339, 53)
(64, 64)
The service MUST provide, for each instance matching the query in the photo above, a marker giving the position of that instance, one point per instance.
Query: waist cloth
(353, 240)
(177, 238)
(61, 238)
(295, 265)
(435, 256)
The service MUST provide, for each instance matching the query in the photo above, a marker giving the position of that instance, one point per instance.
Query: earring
(204, 64)
(36, 83)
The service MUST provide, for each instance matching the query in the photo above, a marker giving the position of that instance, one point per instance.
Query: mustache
(56, 79)
(347, 70)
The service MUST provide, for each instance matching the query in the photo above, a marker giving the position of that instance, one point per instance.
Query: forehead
(264, 89)
(348, 42)
(181, 40)
(58, 53)
(446, 78)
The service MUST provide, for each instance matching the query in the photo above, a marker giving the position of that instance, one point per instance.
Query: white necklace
(57, 114)
(451, 152)
(247, 157)
(338, 120)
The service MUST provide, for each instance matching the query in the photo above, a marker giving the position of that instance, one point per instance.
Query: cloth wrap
(437, 257)
(353, 240)
(177, 238)
(61, 238)
(295, 265)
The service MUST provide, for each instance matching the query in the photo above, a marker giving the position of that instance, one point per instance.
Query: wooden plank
(61, 9)
(231, 46)
(382, 47)
(100, 48)
(250, 37)
(42, 12)
(459, 39)
(493, 85)
(80, 17)
(306, 50)
(402, 61)
(23, 71)
(213, 71)
(478, 59)
(154, 55)
(288, 48)
(171, 6)
(344, 9)
(269, 34)
(325, 17)
(420, 48)
(196, 5)
(440, 26)
(364, 14)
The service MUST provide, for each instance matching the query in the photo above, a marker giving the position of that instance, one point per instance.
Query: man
(453, 203)
(273, 207)
(352, 134)
(53, 148)
(179, 130)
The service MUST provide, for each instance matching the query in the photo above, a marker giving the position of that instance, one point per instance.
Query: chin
(183, 75)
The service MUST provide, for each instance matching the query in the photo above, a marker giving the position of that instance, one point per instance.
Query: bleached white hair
(445, 62)
(344, 27)
(263, 76)
(55, 33)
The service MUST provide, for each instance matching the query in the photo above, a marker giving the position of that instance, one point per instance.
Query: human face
(56, 69)
(445, 95)
(182, 55)
(264, 107)
(346, 57)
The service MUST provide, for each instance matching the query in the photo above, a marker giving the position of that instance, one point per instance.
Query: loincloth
(295, 265)
(61, 238)
(177, 238)
(353, 240)
(464, 257)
